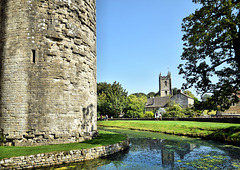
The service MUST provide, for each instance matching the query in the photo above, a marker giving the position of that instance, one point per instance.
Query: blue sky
(138, 39)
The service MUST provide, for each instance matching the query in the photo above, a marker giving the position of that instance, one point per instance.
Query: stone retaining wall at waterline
(56, 158)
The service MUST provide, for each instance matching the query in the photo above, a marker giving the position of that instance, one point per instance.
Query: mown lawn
(104, 138)
(224, 132)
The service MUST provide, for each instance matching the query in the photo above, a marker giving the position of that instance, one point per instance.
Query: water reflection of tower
(180, 149)
(167, 158)
(166, 150)
(188, 147)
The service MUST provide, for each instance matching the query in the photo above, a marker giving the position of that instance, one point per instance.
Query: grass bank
(103, 139)
(223, 132)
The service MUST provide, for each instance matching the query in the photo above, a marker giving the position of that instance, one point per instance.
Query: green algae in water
(220, 157)
(205, 155)
(236, 164)
(206, 162)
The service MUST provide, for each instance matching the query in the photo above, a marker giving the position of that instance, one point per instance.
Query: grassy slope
(224, 132)
(104, 138)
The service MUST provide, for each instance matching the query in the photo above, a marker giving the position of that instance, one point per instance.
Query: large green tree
(111, 98)
(139, 94)
(152, 94)
(135, 106)
(212, 51)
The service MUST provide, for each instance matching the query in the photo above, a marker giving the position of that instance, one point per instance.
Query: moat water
(156, 151)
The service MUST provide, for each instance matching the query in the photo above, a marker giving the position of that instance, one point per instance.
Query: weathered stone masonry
(48, 71)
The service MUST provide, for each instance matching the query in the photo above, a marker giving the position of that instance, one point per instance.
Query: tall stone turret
(165, 85)
(48, 71)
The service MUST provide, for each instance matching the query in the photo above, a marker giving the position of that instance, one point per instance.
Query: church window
(165, 83)
(165, 92)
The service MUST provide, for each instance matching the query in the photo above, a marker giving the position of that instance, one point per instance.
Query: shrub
(148, 114)
(174, 110)
(141, 115)
(189, 112)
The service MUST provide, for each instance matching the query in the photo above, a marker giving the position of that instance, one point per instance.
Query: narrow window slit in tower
(33, 56)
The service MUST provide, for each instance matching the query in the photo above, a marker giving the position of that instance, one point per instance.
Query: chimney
(179, 91)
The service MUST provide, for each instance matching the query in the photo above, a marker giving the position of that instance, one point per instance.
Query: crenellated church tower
(165, 85)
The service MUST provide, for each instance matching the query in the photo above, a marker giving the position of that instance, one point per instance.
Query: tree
(151, 94)
(187, 92)
(102, 104)
(111, 99)
(135, 106)
(189, 112)
(103, 87)
(139, 94)
(174, 110)
(206, 97)
(212, 51)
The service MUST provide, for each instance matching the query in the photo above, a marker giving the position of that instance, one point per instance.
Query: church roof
(162, 101)
(157, 102)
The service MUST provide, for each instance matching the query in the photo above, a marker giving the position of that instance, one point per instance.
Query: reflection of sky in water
(160, 151)
(202, 150)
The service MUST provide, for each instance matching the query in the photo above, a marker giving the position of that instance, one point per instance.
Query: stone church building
(166, 95)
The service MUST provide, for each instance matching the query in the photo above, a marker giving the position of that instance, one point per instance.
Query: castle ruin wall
(48, 71)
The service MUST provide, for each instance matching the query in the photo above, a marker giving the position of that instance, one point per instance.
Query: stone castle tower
(48, 71)
(165, 85)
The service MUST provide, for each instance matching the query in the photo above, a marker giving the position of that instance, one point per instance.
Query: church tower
(165, 85)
